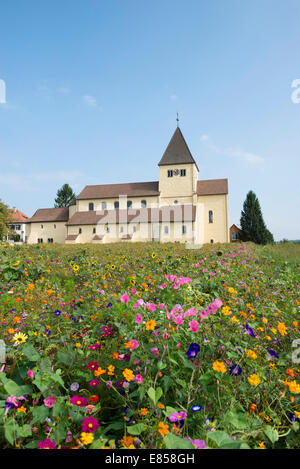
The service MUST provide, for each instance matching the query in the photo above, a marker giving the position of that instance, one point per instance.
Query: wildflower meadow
(150, 346)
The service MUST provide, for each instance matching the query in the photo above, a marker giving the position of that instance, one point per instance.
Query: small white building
(18, 224)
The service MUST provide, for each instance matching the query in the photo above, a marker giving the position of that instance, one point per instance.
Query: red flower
(94, 398)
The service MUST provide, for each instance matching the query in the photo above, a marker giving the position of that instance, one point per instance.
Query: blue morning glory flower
(196, 408)
(193, 350)
(235, 370)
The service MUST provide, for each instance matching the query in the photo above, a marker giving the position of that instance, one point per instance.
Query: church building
(177, 207)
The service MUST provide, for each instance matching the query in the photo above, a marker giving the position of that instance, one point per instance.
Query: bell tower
(178, 173)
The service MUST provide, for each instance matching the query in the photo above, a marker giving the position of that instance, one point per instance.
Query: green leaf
(271, 433)
(219, 437)
(39, 414)
(12, 388)
(175, 442)
(65, 357)
(155, 395)
(30, 353)
(10, 429)
(24, 431)
(161, 365)
(137, 429)
(237, 419)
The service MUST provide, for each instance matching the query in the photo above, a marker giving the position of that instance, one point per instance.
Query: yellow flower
(20, 338)
(219, 366)
(87, 438)
(21, 409)
(78, 344)
(294, 387)
(261, 446)
(111, 370)
(282, 328)
(150, 325)
(254, 380)
(251, 354)
(226, 311)
(128, 375)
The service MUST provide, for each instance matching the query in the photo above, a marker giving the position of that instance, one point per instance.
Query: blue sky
(93, 87)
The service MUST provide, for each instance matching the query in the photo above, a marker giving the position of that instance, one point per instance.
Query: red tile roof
(18, 217)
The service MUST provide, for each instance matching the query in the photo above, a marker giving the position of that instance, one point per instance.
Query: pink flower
(30, 374)
(151, 307)
(166, 336)
(133, 344)
(138, 378)
(133, 291)
(194, 326)
(49, 402)
(138, 318)
(155, 351)
(47, 444)
(90, 425)
(125, 298)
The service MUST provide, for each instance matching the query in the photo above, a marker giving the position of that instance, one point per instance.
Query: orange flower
(163, 429)
(144, 411)
(115, 355)
(111, 370)
(290, 373)
(99, 371)
(282, 328)
(150, 325)
(31, 286)
(17, 319)
(127, 441)
(252, 408)
(161, 406)
(219, 366)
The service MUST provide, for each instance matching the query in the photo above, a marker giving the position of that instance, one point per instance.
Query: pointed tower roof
(177, 151)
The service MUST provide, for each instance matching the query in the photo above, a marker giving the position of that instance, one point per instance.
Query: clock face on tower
(176, 172)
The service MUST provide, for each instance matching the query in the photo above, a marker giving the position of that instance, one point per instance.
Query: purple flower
(193, 350)
(272, 354)
(235, 370)
(249, 331)
(74, 386)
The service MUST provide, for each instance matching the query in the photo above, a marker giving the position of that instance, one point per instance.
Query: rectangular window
(183, 229)
(170, 173)
(121, 229)
(94, 230)
(166, 230)
(235, 236)
(50, 240)
(104, 205)
(182, 172)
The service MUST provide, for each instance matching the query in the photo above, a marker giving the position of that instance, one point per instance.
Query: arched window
(129, 204)
(144, 203)
(175, 202)
(91, 206)
(80, 231)
(103, 205)
(210, 216)
(116, 205)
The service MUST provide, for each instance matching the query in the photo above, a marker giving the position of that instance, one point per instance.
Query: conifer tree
(252, 223)
(65, 196)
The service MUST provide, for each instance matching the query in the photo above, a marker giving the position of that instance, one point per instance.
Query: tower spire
(177, 119)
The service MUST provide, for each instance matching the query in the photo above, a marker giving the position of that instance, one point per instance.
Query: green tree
(5, 218)
(252, 223)
(65, 196)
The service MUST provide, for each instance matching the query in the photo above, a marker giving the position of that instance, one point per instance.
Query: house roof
(177, 152)
(18, 217)
(212, 187)
(143, 215)
(131, 189)
(71, 237)
(50, 214)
